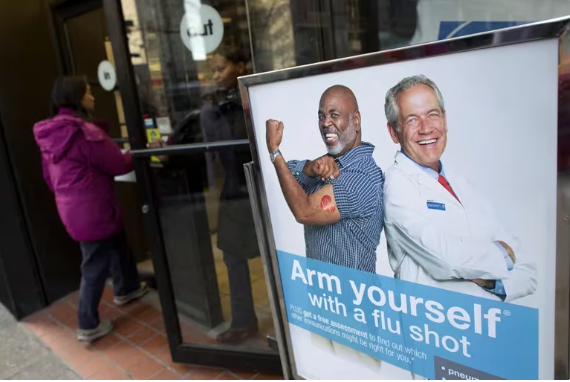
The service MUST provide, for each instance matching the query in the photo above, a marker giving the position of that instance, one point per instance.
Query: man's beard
(344, 138)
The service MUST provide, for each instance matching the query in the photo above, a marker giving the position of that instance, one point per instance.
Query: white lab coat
(445, 249)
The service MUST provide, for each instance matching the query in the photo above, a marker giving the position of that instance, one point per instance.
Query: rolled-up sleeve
(499, 289)
(296, 167)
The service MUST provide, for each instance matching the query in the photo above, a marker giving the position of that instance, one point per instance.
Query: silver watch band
(274, 155)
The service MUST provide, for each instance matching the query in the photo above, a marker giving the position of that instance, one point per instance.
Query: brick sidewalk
(137, 349)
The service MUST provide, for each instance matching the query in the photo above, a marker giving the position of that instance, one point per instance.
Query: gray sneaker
(123, 300)
(89, 335)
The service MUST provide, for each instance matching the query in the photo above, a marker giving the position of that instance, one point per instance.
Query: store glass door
(178, 80)
(82, 40)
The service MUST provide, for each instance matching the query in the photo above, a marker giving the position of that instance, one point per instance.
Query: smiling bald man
(337, 197)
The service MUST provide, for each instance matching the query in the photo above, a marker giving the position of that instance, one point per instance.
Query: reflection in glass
(216, 274)
(204, 208)
(223, 120)
(205, 213)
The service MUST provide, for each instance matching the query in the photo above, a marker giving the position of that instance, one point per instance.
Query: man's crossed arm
(318, 208)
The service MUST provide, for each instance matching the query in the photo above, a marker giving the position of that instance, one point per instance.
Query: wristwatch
(274, 155)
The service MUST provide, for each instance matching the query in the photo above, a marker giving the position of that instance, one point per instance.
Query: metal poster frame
(556, 28)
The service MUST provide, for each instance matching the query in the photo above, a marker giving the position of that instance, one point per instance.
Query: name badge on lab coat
(436, 206)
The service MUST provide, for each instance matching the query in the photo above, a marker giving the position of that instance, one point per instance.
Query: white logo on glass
(202, 30)
(107, 75)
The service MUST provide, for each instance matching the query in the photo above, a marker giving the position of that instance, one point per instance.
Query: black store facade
(188, 213)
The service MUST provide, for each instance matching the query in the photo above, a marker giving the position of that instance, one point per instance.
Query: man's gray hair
(391, 105)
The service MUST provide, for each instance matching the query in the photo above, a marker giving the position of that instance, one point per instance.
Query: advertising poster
(413, 208)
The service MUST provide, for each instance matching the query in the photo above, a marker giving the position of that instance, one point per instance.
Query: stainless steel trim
(191, 148)
(555, 28)
(271, 267)
(562, 298)
(562, 312)
(268, 269)
(268, 233)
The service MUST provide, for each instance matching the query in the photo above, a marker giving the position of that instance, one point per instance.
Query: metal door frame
(59, 13)
(222, 355)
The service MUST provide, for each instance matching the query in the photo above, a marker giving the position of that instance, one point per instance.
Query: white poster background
(502, 118)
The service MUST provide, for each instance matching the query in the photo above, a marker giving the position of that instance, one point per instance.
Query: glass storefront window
(276, 34)
(186, 76)
(188, 94)
(211, 247)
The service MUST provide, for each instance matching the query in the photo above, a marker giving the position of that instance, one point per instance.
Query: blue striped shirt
(352, 241)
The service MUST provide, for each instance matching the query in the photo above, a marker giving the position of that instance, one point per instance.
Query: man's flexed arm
(316, 209)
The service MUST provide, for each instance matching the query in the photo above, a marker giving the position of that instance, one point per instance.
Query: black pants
(101, 258)
(243, 311)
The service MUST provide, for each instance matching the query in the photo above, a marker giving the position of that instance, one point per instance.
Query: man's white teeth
(428, 142)
(330, 135)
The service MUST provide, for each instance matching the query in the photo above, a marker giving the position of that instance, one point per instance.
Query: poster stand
(255, 189)
(552, 29)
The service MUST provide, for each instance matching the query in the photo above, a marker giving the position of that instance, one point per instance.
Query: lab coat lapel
(414, 170)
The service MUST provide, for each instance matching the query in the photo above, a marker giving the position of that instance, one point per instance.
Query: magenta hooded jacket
(80, 162)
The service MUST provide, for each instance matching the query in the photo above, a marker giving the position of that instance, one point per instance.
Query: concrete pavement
(24, 356)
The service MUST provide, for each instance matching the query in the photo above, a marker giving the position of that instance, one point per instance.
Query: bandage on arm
(317, 209)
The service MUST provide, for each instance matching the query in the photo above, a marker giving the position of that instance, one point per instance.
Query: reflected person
(223, 120)
(220, 118)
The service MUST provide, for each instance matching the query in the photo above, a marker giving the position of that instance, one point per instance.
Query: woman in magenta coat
(80, 162)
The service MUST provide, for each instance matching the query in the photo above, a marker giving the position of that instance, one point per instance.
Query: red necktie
(445, 184)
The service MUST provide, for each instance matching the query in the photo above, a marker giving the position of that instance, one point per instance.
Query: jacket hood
(57, 135)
